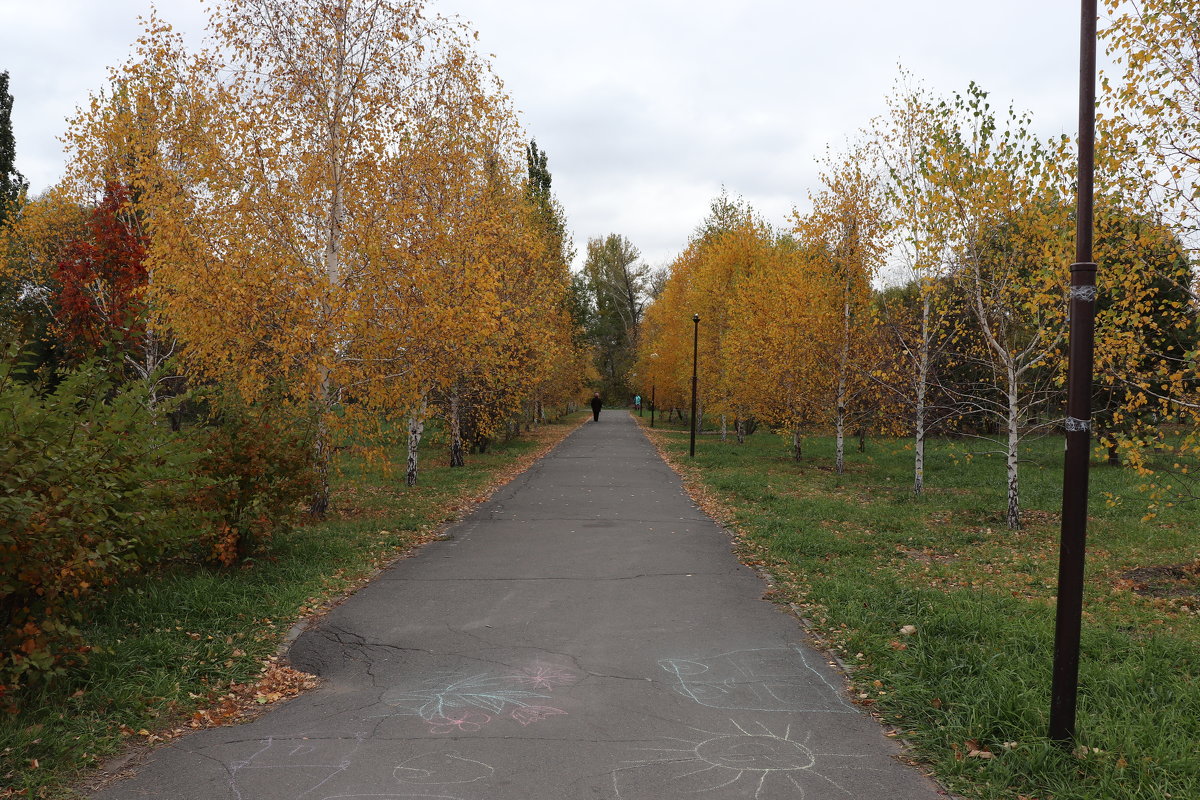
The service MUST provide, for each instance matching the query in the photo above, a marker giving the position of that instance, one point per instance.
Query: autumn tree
(1149, 108)
(784, 338)
(846, 227)
(1000, 205)
(31, 246)
(917, 313)
(665, 347)
(735, 248)
(278, 224)
(100, 284)
(1146, 332)
(1149, 137)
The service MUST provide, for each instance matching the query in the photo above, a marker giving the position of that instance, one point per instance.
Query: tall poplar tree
(12, 183)
(618, 286)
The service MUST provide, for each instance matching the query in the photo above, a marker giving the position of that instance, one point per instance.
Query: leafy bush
(258, 462)
(93, 485)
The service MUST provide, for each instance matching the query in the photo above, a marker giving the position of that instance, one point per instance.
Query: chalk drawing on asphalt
(466, 704)
(291, 768)
(765, 679)
(442, 768)
(743, 762)
(390, 796)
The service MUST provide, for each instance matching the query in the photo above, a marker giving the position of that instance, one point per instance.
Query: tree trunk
(1013, 517)
(724, 429)
(839, 462)
(333, 280)
(322, 455)
(919, 415)
(741, 430)
(322, 446)
(796, 442)
(416, 428)
(456, 443)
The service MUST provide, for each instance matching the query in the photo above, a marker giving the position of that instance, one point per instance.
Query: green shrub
(258, 463)
(93, 485)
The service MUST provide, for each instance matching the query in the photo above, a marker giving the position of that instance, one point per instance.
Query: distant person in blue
(597, 404)
(637, 402)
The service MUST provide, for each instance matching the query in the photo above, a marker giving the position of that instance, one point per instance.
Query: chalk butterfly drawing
(467, 704)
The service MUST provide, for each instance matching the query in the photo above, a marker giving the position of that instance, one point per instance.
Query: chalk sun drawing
(744, 762)
(766, 679)
(467, 704)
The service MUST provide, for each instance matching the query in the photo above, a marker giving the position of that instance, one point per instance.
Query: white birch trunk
(921, 387)
(796, 442)
(1013, 517)
(416, 429)
(724, 429)
(323, 450)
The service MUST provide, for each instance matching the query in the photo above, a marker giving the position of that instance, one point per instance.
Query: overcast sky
(645, 107)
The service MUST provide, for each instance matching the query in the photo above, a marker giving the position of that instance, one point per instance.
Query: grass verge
(191, 647)
(968, 685)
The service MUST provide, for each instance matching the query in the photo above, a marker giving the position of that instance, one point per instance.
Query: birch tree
(918, 321)
(846, 224)
(1150, 107)
(267, 252)
(1000, 205)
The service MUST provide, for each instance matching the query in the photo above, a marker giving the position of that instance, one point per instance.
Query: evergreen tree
(12, 184)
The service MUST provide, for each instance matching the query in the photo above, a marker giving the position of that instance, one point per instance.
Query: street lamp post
(1065, 683)
(695, 352)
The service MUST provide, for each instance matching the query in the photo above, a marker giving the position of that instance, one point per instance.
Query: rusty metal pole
(1064, 689)
(695, 352)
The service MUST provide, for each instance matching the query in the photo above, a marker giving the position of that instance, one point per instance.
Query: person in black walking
(597, 404)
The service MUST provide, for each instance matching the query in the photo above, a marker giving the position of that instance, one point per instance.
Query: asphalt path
(587, 633)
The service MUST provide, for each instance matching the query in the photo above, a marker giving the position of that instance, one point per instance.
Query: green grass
(173, 642)
(862, 557)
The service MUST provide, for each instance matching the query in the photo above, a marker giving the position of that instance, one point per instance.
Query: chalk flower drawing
(467, 704)
(744, 762)
(540, 675)
(464, 721)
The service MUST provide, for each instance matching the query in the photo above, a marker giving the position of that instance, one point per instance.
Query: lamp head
(695, 317)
